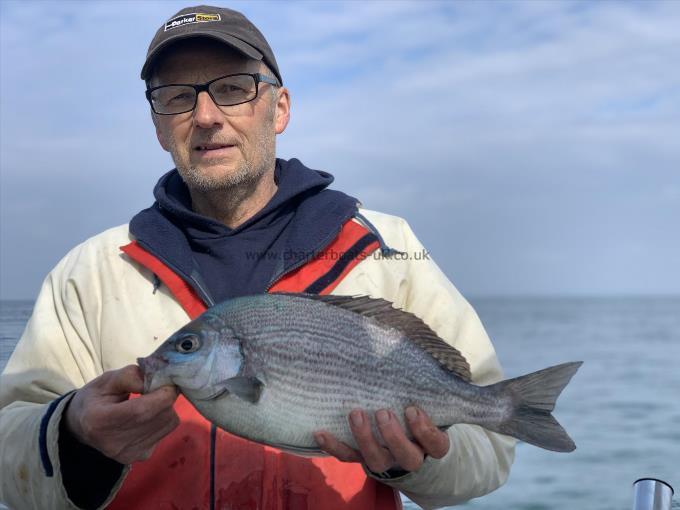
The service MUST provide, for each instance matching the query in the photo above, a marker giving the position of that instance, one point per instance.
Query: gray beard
(245, 177)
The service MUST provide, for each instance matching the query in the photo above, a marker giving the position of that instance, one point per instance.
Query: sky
(533, 147)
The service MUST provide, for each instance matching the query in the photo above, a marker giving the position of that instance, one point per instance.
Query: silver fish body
(275, 368)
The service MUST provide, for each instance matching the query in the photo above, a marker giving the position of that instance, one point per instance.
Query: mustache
(206, 138)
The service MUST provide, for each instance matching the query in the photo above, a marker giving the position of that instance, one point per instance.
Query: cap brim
(239, 45)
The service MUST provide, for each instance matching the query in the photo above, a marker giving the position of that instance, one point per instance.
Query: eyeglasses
(228, 90)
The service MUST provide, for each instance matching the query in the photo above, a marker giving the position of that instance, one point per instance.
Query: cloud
(532, 145)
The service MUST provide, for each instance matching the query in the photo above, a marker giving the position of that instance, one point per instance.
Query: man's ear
(282, 112)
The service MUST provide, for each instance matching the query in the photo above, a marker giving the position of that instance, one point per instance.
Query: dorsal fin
(414, 328)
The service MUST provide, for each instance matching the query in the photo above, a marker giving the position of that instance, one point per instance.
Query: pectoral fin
(246, 387)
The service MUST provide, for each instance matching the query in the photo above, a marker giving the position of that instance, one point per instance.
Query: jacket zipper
(202, 291)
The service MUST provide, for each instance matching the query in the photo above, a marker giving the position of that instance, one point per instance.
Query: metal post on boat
(652, 494)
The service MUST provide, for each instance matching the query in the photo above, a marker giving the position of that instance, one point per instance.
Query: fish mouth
(150, 366)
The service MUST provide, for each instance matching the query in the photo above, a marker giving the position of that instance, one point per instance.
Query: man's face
(218, 147)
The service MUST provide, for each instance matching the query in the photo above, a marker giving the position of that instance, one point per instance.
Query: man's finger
(407, 455)
(433, 441)
(156, 432)
(146, 407)
(124, 380)
(376, 458)
(161, 424)
(127, 450)
(329, 444)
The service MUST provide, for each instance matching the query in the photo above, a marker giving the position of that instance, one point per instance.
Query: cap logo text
(194, 17)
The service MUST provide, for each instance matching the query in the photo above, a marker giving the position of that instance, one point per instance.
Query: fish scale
(345, 350)
(286, 365)
(335, 377)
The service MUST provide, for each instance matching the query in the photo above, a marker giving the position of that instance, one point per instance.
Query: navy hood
(301, 219)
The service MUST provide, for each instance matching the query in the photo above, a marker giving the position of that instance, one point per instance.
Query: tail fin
(533, 396)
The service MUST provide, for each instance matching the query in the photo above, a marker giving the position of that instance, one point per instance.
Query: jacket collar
(168, 228)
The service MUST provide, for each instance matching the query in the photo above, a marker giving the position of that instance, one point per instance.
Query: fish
(275, 368)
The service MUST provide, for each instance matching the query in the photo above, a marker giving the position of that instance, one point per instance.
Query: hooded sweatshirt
(221, 262)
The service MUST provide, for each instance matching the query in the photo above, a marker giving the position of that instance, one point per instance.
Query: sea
(622, 408)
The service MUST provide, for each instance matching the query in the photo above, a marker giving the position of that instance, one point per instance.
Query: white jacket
(97, 311)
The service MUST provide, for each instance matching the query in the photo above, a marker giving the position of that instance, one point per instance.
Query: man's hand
(398, 452)
(101, 416)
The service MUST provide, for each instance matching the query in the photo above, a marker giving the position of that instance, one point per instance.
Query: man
(230, 220)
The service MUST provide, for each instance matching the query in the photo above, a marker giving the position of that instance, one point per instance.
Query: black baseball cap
(219, 23)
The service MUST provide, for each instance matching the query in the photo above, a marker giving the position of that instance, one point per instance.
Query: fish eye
(187, 344)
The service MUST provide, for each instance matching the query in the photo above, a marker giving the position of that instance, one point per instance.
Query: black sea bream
(274, 368)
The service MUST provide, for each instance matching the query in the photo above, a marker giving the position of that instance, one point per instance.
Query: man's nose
(207, 114)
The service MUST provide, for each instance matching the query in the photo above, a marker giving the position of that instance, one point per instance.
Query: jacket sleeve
(55, 355)
(478, 460)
